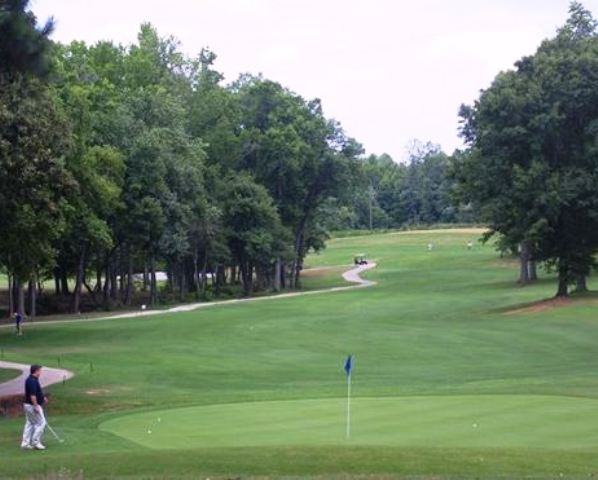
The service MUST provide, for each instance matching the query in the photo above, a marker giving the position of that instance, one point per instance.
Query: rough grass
(432, 327)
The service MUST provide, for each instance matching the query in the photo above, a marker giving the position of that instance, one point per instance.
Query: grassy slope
(431, 327)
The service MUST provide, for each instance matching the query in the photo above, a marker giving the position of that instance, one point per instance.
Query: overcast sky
(388, 70)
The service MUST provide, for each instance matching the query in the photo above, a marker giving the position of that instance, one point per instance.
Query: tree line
(117, 161)
(120, 161)
(389, 194)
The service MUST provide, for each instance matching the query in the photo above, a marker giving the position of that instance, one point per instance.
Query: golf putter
(54, 433)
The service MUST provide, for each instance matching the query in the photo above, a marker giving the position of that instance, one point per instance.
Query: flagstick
(348, 405)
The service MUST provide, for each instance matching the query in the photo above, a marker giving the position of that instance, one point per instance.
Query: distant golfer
(18, 320)
(34, 413)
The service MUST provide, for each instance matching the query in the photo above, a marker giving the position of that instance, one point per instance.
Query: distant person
(34, 413)
(430, 247)
(18, 320)
(469, 245)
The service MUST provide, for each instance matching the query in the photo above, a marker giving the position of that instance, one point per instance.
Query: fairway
(205, 276)
(493, 421)
(443, 378)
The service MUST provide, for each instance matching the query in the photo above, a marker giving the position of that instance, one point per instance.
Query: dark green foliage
(152, 164)
(532, 167)
(393, 195)
(24, 47)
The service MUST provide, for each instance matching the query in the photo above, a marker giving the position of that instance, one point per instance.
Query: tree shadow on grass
(537, 306)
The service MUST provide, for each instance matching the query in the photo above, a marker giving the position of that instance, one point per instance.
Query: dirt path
(15, 386)
(351, 276)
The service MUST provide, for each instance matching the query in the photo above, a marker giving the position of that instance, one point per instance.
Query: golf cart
(360, 259)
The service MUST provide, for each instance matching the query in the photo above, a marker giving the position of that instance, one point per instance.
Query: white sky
(388, 70)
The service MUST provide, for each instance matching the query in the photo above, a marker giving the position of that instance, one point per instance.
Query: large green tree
(34, 136)
(256, 235)
(297, 154)
(24, 46)
(533, 165)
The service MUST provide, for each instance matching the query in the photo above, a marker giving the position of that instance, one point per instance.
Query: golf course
(458, 373)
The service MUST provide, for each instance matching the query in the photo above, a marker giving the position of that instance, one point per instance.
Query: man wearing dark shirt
(34, 413)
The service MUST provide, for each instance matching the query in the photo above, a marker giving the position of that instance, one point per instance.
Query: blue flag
(349, 365)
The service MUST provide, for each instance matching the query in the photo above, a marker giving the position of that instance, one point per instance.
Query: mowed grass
(489, 421)
(434, 355)
(8, 374)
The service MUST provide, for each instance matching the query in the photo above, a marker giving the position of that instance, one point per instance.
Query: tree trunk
(563, 290)
(108, 274)
(182, 282)
(64, 283)
(532, 271)
(129, 295)
(153, 286)
(145, 276)
(196, 281)
(28, 297)
(524, 257)
(294, 280)
(121, 280)
(283, 276)
(20, 297)
(98, 286)
(259, 278)
(15, 293)
(277, 275)
(56, 281)
(11, 302)
(170, 279)
(204, 272)
(581, 284)
(113, 279)
(220, 277)
(92, 291)
(246, 277)
(32, 298)
(79, 282)
(243, 274)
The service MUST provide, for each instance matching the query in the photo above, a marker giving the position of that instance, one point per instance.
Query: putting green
(501, 421)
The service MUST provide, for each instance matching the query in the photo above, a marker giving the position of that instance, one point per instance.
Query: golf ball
(475, 425)
(149, 431)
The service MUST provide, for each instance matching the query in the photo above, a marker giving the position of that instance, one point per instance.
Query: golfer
(34, 413)
(18, 320)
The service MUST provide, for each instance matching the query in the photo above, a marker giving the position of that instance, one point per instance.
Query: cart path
(15, 386)
(56, 375)
(351, 276)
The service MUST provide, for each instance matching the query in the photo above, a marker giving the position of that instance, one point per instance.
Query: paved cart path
(15, 386)
(352, 276)
(56, 375)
